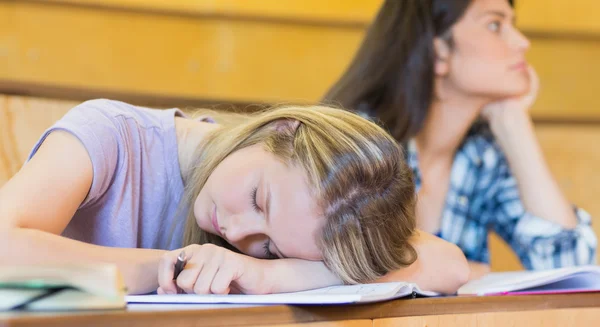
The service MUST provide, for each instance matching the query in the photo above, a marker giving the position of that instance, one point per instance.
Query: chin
(512, 87)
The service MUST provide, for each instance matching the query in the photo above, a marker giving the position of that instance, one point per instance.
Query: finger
(222, 280)
(234, 289)
(206, 277)
(188, 276)
(160, 291)
(166, 267)
(534, 81)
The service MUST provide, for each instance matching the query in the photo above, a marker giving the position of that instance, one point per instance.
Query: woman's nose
(240, 227)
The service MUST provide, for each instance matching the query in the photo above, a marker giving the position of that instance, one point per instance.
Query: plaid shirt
(483, 195)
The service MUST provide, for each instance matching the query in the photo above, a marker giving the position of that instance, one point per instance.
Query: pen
(181, 261)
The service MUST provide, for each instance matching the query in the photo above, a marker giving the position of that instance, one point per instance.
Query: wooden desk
(529, 311)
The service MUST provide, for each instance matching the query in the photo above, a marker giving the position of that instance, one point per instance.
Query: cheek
(486, 72)
(226, 192)
(201, 211)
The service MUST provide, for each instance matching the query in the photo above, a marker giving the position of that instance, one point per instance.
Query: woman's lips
(522, 65)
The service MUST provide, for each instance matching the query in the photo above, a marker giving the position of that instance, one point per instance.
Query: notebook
(65, 287)
(343, 294)
(562, 280)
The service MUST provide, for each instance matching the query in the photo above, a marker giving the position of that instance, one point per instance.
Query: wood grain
(546, 318)
(22, 121)
(577, 16)
(459, 320)
(556, 16)
(178, 56)
(231, 51)
(271, 315)
(315, 11)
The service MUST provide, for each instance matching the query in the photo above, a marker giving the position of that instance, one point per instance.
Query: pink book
(562, 280)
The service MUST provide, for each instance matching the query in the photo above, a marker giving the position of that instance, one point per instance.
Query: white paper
(584, 278)
(330, 295)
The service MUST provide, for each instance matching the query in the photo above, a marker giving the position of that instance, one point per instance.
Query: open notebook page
(329, 295)
(585, 278)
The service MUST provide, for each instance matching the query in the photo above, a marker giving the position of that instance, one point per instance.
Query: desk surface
(279, 314)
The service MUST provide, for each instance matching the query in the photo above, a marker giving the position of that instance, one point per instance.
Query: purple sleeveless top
(137, 185)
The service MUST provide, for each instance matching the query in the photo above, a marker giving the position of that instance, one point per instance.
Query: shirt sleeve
(538, 242)
(93, 123)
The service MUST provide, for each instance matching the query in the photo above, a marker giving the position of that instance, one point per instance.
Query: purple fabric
(137, 185)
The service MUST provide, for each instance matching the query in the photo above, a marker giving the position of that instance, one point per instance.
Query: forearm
(28, 246)
(292, 275)
(440, 267)
(539, 191)
(478, 270)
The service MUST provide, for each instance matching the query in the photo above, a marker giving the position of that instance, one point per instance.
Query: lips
(215, 222)
(522, 65)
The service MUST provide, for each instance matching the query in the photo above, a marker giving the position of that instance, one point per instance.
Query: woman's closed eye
(253, 199)
(268, 253)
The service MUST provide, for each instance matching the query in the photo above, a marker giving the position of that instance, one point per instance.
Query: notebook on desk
(344, 294)
(64, 287)
(553, 281)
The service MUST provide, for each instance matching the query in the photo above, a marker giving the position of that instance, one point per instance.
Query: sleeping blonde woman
(287, 199)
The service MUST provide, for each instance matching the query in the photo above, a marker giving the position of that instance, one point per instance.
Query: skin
(485, 75)
(268, 213)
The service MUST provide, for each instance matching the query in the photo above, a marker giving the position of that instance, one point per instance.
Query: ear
(286, 125)
(442, 56)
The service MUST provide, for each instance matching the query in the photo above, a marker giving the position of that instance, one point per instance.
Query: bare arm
(478, 270)
(511, 125)
(39, 201)
(539, 190)
(440, 267)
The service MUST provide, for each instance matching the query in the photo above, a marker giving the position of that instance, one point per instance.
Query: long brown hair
(391, 77)
(355, 169)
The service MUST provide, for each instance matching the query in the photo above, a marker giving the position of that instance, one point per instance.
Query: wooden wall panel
(557, 16)
(569, 72)
(317, 11)
(22, 121)
(272, 51)
(177, 56)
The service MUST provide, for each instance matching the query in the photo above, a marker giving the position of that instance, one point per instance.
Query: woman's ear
(442, 57)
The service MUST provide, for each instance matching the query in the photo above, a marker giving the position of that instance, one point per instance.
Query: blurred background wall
(192, 53)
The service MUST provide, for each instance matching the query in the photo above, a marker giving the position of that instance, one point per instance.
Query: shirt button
(463, 200)
(477, 162)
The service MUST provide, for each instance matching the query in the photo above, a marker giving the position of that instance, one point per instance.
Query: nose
(240, 227)
(520, 41)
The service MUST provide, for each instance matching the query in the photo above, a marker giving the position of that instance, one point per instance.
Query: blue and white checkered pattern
(483, 195)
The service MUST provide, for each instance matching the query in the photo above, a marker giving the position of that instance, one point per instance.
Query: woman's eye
(253, 200)
(494, 26)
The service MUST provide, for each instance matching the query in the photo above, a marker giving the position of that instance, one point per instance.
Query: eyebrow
(267, 212)
(497, 13)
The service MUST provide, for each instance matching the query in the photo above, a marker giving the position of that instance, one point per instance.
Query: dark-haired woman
(449, 79)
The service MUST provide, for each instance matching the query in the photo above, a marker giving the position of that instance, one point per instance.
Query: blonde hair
(356, 170)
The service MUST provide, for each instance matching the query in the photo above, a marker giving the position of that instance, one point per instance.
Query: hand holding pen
(180, 264)
(211, 269)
